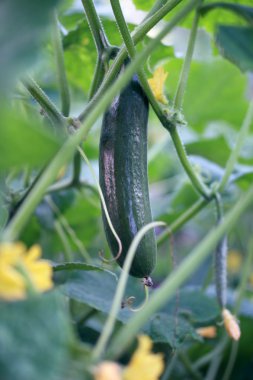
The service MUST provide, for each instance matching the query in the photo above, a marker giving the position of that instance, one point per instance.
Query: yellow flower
(156, 83)
(17, 266)
(207, 332)
(108, 371)
(231, 325)
(234, 261)
(144, 364)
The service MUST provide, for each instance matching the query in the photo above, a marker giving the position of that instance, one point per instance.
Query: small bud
(207, 332)
(231, 325)
(108, 371)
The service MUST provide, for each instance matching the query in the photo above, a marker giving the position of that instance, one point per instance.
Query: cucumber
(123, 176)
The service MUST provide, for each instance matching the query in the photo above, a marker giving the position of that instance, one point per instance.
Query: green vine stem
(139, 33)
(193, 372)
(62, 77)
(102, 45)
(67, 150)
(159, 4)
(46, 104)
(95, 26)
(182, 219)
(194, 177)
(119, 294)
(168, 288)
(64, 240)
(178, 101)
(238, 146)
(196, 181)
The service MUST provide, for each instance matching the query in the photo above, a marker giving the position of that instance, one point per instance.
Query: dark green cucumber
(123, 176)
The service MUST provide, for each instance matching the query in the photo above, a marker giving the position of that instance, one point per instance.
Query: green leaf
(214, 149)
(97, 289)
(77, 266)
(215, 92)
(23, 26)
(170, 330)
(35, 337)
(239, 9)
(235, 44)
(145, 5)
(232, 13)
(194, 304)
(23, 141)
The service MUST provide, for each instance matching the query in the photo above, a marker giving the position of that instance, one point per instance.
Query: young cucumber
(123, 176)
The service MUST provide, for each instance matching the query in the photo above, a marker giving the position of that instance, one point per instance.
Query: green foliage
(35, 338)
(23, 24)
(215, 92)
(235, 44)
(15, 131)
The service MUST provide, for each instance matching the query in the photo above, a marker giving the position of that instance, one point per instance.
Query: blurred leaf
(235, 44)
(214, 149)
(240, 9)
(210, 171)
(97, 290)
(35, 336)
(77, 266)
(80, 56)
(24, 142)
(145, 5)
(171, 330)
(223, 15)
(198, 307)
(215, 91)
(23, 25)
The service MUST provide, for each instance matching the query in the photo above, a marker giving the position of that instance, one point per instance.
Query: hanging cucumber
(123, 176)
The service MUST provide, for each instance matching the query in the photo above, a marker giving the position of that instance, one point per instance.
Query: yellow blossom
(15, 260)
(108, 371)
(234, 261)
(231, 325)
(144, 364)
(157, 82)
(207, 332)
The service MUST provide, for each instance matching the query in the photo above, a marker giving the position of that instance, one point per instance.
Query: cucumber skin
(123, 176)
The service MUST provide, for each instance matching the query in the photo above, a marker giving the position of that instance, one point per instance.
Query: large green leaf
(214, 149)
(35, 338)
(97, 290)
(215, 92)
(23, 141)
(145, 5)
(239, 9)
(235, 44)
(23, 25)
(232, 13)
(170, 330)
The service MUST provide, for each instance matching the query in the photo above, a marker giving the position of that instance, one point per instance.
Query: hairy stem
(187, 63)
(62, 77)
(46, 104)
